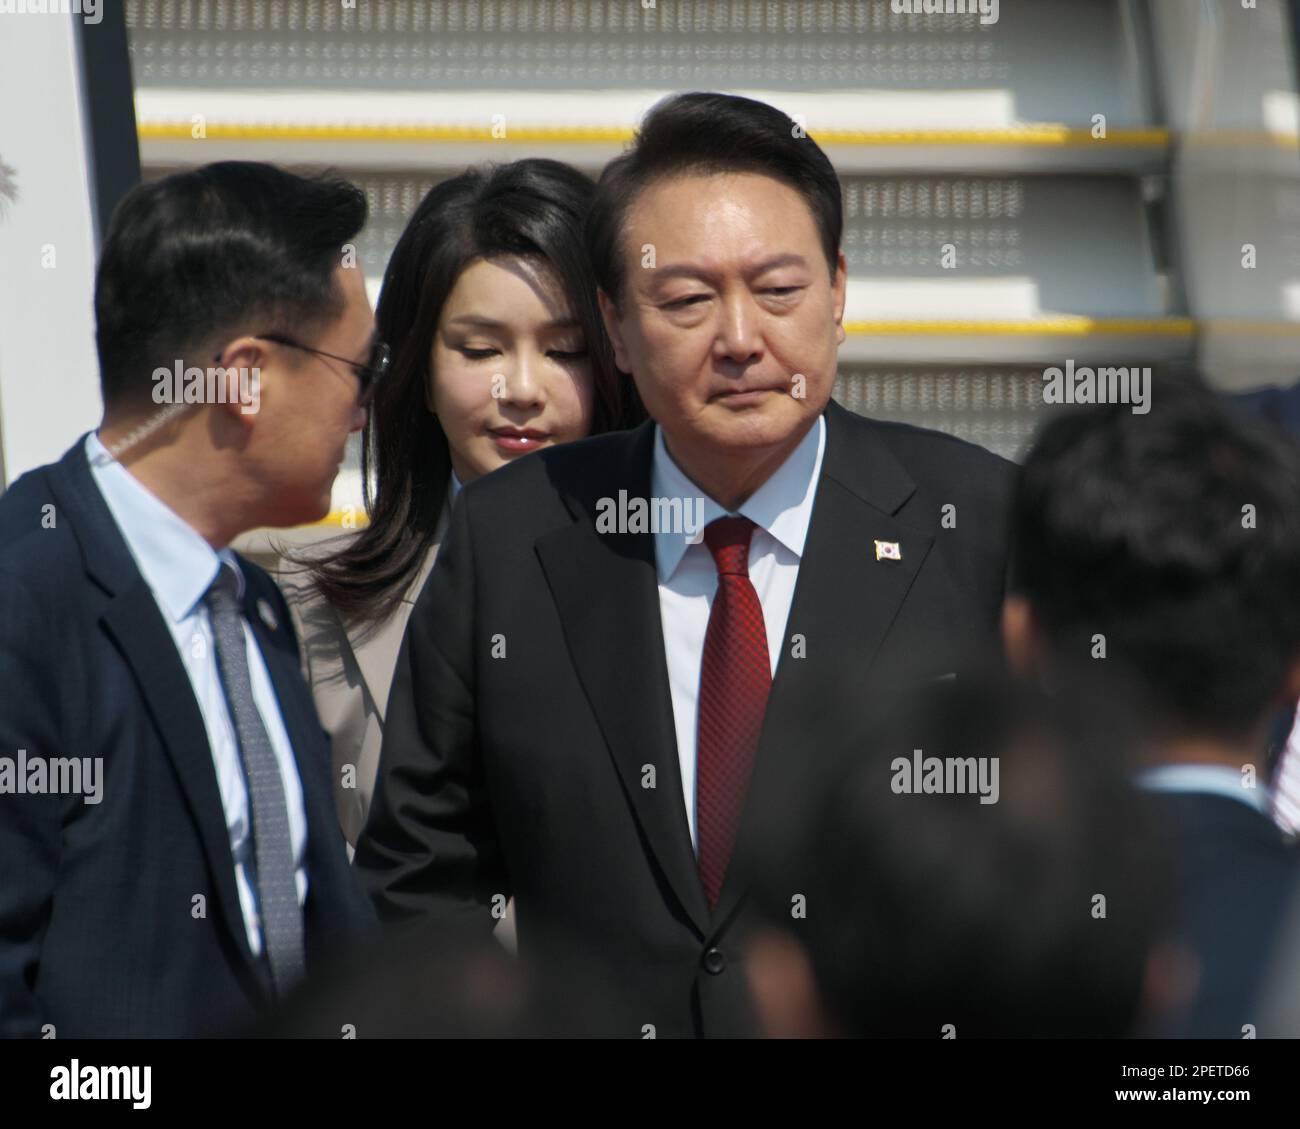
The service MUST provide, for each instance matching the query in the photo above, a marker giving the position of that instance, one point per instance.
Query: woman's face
(510, 371)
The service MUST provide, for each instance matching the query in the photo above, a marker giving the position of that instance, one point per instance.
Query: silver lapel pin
(267, 613)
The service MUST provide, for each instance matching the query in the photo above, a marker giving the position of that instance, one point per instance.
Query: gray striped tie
(277, 892)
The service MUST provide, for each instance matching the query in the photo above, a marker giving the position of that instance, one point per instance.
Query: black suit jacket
(1235, 873)
(529, 746)
(122, 918)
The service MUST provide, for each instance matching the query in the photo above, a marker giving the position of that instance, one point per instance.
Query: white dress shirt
(179, 567)
(781, 509)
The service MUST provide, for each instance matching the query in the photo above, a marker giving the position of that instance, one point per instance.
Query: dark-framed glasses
(369, 373)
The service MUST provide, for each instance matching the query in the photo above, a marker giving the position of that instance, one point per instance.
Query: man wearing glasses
(170, 862)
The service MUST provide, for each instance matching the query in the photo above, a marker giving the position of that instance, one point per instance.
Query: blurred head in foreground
(965, 872)
(442, 980)
(1156, 556)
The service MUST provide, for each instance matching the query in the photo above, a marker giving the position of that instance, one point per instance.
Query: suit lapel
(604, 583)
(844, 602)
(132, 619)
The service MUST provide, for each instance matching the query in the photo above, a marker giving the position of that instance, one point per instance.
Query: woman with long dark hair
(489, 305)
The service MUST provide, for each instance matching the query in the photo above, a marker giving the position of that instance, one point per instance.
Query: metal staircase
(1074, 181)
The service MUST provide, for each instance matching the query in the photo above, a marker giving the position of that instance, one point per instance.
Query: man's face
(309, 408)
(732, 333)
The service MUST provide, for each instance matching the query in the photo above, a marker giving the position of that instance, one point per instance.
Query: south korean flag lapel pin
(888, 551)
(267, 613)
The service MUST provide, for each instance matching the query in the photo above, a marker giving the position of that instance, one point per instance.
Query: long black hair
(532, 208)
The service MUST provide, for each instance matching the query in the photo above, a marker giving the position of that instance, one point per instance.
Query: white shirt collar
(782, 505)
(175, 561)
(1215, 779)
(453, 488)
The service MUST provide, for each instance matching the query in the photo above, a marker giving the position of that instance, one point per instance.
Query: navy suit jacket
(1281, 405)
(1235, 873)
(122, 918)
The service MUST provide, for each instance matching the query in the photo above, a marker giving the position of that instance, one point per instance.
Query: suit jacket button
(714, 961)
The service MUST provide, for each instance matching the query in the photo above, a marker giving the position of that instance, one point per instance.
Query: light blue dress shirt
(179, 567)
(1214, 779)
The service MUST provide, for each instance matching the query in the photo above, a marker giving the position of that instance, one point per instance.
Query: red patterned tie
(735, 678)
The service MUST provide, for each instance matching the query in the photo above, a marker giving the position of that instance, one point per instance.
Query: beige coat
(350, 675)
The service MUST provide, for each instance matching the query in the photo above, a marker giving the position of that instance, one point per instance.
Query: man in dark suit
(633, 645)
(1282, 406)
(1154, 564)
(169, 858)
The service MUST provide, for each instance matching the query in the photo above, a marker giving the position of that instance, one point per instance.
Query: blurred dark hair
(703, 133)
(924, 910)
(439, 979)
(210, 251)
(1133, 527)
(531, 209)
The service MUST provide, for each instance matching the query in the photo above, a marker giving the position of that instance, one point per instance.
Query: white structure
(1076, 181)
(49, 382)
